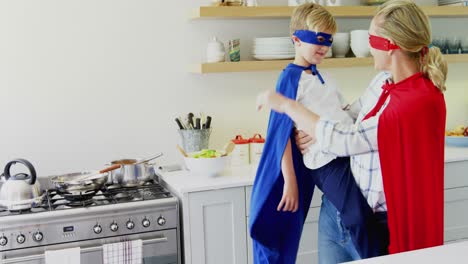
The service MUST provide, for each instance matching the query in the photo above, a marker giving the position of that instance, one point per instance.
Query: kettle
(20, 191)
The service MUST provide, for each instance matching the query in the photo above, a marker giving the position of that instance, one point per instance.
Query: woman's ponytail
(435, 67)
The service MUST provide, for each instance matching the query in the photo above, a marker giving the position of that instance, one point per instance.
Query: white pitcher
(343, 2)
(320, 2)
(300, 2)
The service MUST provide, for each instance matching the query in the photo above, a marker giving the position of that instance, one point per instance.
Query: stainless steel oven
(158, 248)
(26, 236)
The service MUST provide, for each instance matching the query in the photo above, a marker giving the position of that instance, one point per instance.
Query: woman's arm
(296, 111)
(333, 137)
(347, 139)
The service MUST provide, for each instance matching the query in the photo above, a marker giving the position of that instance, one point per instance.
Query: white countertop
(447, 254)
(182, 181)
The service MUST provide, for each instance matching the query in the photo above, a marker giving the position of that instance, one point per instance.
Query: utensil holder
(194, 139)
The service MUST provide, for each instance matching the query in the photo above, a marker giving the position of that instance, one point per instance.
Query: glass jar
(234, 2)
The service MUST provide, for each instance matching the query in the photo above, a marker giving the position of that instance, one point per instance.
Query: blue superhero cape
(280, 231)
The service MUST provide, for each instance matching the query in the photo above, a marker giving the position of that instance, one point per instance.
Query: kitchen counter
(450, 253)
(182, 181)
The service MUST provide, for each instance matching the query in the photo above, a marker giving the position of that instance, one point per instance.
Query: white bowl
(343, 2)
(207, 167)
(340, 45)
(360, 51)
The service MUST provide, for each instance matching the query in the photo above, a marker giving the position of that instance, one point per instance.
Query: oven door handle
(83, 250)
(148, 241)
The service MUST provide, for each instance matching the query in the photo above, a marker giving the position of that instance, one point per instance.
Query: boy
(280, 204)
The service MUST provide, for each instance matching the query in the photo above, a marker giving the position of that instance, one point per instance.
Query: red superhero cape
(411, 149)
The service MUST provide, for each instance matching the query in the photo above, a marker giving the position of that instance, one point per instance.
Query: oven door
(158, 248)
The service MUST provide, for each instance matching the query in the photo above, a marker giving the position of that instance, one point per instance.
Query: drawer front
(456, 214)
(456, 174)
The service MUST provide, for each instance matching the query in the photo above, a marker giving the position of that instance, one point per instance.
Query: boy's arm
(287, 166)
(290, 198)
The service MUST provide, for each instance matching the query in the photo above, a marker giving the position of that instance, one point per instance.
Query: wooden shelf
(337, 11)
(276, 65)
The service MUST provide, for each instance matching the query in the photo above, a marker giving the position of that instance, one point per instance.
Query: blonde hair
(408, 27)
(312, 17)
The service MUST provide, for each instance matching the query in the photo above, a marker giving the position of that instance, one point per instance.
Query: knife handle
(179, 123)
(208, 122)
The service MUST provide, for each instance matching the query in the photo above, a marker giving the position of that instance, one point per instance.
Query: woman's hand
(303, 117)
(290, 199)
(303, 140)
(273, 100)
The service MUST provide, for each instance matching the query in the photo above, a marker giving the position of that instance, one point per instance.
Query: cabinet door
(456, 214)
(217, 226)
(308, 252)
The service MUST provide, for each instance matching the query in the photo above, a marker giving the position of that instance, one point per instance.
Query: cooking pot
(20, 191)
(133, 172)
(78, 182)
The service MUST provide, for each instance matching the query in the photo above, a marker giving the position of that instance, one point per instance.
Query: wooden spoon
(97, 174)
(182, 151)
(228, 148)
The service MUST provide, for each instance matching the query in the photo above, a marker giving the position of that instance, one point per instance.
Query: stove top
(109, 194)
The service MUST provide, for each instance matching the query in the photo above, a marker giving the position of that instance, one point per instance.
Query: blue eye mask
(316, 38)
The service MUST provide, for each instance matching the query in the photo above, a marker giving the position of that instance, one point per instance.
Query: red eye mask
(380, 43)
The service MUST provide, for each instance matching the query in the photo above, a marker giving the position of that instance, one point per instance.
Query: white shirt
(360, 142)
(326, 101)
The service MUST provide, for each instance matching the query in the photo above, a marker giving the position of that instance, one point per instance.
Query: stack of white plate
(278, 48)
(452, 2)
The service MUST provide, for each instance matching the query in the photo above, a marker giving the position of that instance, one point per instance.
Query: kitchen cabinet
(456, 202)
(216, 213)
(216, 226)
(285, 12)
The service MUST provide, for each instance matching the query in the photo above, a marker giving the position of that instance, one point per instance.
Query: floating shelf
(276, 65)
(337, 11)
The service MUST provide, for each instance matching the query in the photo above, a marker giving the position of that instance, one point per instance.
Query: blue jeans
(334, 240)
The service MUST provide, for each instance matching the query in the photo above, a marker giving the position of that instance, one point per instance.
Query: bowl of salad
(207, 162)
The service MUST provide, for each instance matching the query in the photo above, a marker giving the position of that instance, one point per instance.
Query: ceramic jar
(215, 51)
(256, 148)
(241, 153)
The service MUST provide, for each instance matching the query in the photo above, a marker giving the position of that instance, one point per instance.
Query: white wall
(85, 82)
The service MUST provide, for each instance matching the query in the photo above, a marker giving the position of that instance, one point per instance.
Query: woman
(396, 148)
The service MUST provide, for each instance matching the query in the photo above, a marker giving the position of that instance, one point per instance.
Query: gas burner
(83, 203)
(122, 196)
(113, 186)
(20, 211)
(79, 197)
(109, 194)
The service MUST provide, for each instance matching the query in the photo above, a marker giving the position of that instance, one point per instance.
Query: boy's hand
(303, 140)
(290, 200)
(271, 99)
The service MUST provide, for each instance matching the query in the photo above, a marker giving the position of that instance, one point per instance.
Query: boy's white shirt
(326, 101)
